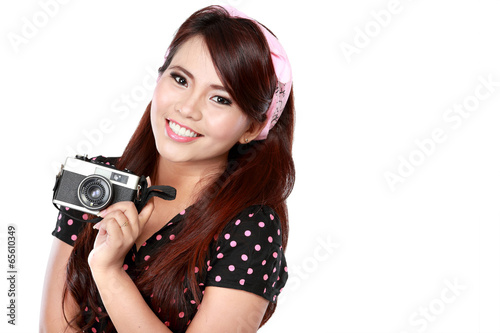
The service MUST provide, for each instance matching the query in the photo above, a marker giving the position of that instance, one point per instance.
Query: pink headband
(283, 72)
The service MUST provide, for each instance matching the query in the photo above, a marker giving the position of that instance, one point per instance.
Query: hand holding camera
(119, 229)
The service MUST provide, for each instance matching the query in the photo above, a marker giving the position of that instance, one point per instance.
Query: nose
(189, 106)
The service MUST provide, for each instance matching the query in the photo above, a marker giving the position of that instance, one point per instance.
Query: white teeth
(181, 131)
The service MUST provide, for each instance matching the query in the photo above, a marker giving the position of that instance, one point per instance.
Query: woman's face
(193, 117)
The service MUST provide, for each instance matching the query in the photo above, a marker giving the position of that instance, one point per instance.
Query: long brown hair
(258, 173)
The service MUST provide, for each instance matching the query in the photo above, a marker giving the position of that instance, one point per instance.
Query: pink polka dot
(248, 233)
(231, 268)
(196, 270)
(237, 222)
(263, 262)
(146, 268)
(257, 247)
(85, 216)
(67, 208)
(59, 217)
(86, 308)
(262, 224)
(279, 232)
(266, 277)
(183, 212)
(125, 266)
(242, 281)
(172, 237)
(250, 215)
(74, 237)
(181, 315)
(271, 217)
(249, 271)
(147, 258)
(227, 236)
(244, 257)
(286, 269)
(270, 239)
(58, 229)
(233, 244)
(144, 244)
(217, 278)
(158, 237)
(220, 256)
(70, 222)
(275, 254)
(94, 330)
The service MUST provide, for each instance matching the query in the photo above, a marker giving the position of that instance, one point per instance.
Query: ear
(252, 132)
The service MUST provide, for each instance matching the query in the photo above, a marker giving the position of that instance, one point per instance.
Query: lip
(178, 138)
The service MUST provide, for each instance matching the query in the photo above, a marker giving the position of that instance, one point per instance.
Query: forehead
(193, 55)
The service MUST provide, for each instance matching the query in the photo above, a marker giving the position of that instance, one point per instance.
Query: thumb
(146, 212)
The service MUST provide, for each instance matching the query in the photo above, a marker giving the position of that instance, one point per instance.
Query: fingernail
(101, 213)
(96, 226)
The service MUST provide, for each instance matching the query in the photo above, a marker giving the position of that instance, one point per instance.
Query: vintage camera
(90, 186)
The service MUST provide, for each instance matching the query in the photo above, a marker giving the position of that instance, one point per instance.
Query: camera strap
(160, 191)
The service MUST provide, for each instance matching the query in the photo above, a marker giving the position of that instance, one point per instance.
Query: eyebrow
(191, 76)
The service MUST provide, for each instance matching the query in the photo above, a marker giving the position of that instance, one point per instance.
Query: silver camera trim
(86, 168)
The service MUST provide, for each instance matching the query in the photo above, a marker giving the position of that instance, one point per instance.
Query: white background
(363, 257)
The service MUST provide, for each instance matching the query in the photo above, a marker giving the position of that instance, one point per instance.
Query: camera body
(90, 186)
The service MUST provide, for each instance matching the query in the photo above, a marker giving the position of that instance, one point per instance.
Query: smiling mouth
(182, 131)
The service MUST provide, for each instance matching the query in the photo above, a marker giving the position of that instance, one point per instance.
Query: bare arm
(229, 310)
(51, 314)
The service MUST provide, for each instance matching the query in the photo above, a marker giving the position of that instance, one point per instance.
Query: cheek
(228, 127)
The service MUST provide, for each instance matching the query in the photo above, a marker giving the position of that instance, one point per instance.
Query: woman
(219, 129)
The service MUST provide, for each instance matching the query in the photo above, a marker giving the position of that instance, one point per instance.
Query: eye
(221, 100)
(179, 79)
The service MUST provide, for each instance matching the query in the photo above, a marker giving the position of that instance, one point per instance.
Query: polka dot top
(247, 255)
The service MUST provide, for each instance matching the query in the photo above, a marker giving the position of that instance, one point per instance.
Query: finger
(111, 227)
(120, 205)
(119, 217)
(146, 212)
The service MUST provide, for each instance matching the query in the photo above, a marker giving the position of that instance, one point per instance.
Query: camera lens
(95, 192)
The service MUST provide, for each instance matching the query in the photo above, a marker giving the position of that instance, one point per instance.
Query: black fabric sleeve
(68, 229)
(249, 255)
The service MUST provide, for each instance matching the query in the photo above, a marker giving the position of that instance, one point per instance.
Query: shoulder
(259, 218)
(255, 225)
(248, 254)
